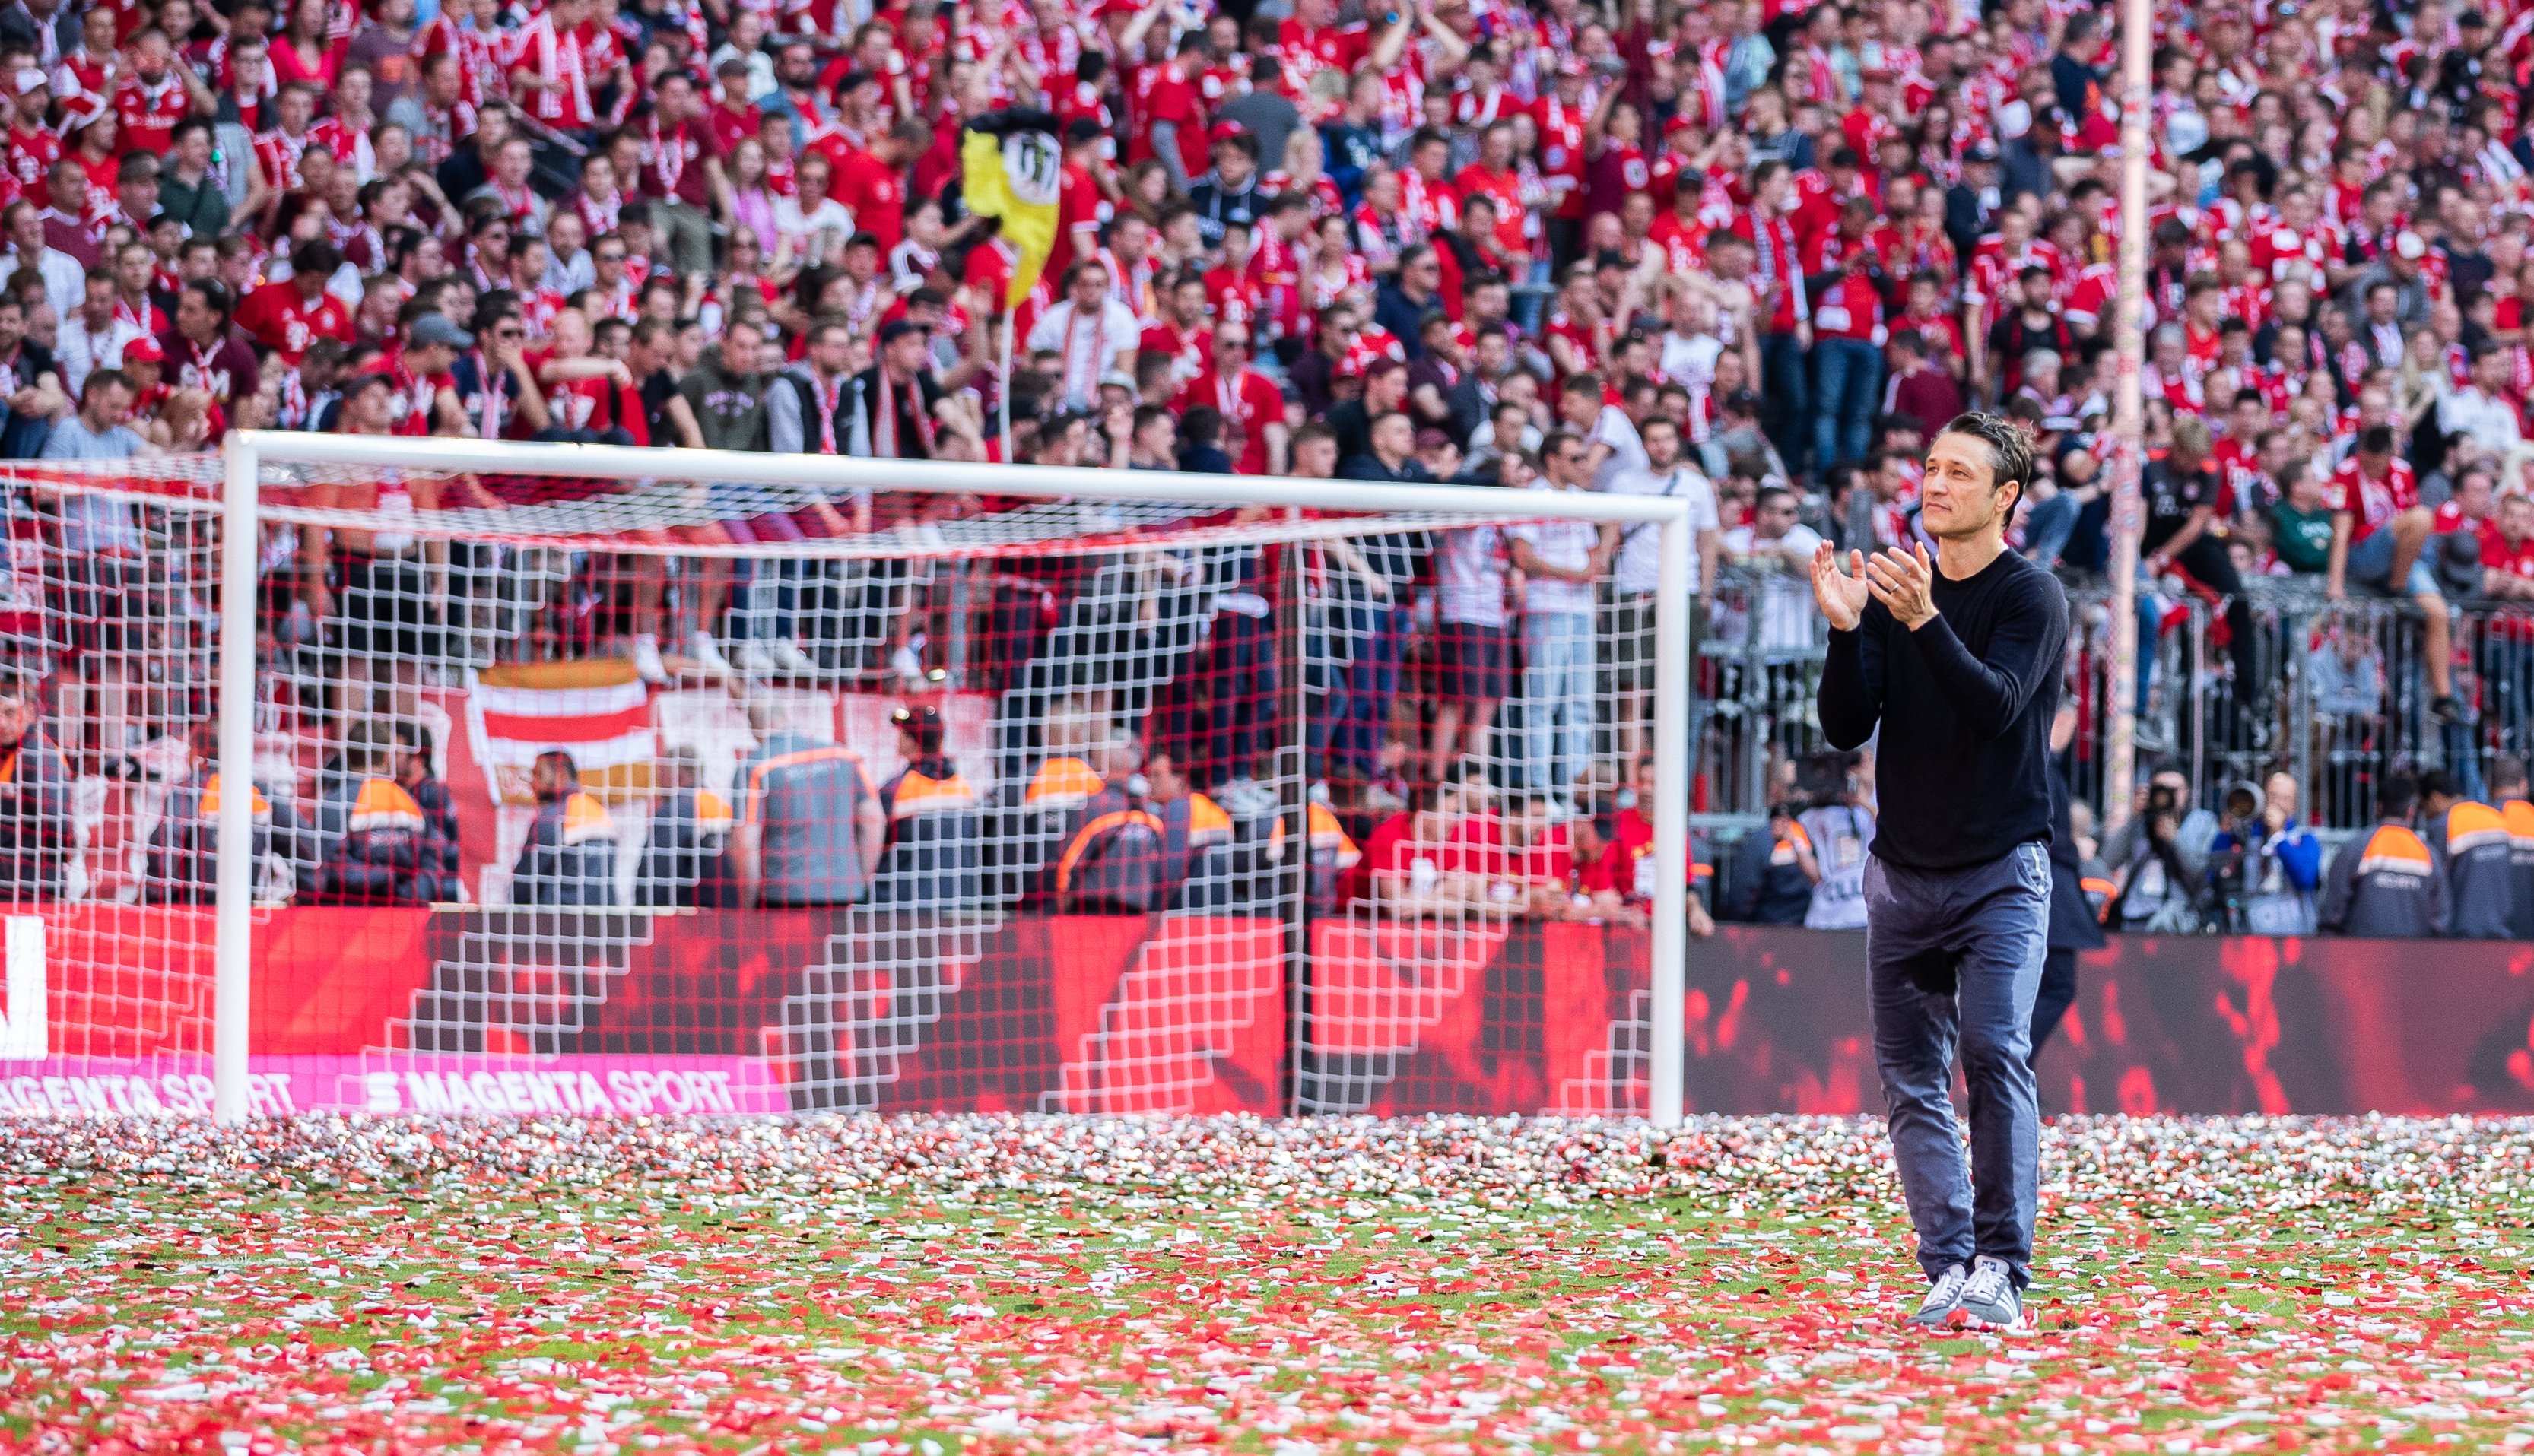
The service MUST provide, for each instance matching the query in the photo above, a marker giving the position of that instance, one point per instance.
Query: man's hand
(2333, 588)
(1840, 594)
(1901, 582)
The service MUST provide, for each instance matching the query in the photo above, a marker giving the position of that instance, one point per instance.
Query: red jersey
(2280, 253)
(1175, 101)
(1252, 402)
(1849, 309)
(1234, 297)
(278, 152)
(31, 156)
(2373, 502)
(1303, 49)
(1561, 153)
(876, 193)
(2498, 556)
(1504, 188)
(730, 128)
(414, 396)
(149, 113)
(559, 62)
(286, 324)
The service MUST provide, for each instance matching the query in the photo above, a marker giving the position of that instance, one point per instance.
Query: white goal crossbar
(249, 455)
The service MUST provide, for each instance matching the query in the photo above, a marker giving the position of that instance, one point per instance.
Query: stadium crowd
(1747, 251)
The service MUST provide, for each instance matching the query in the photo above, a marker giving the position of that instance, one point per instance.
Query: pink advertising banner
(581, 1086)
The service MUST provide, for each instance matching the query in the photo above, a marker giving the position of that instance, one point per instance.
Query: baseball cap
(143, 350)
(434, 330)
(30, 77)
(897, 329)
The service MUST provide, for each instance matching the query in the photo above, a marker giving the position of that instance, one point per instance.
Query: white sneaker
(906, 664)
(707, 653)
(789, 657)
(1942, 1300)
(752, 659)
(647, 660)
(1989, 1296)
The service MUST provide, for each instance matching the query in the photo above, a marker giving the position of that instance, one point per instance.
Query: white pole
(1046, 482)
(2128, 417)
(1003, 389)
(232, 959)
(1671, 950)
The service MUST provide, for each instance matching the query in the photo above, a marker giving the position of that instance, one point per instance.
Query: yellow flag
(1015, 177)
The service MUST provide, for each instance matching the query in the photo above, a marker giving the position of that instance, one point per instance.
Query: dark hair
(317, 257)
(2442, 781)
(2395, 796)
(215, 295)
(2010, 450)
(2506, 771)
(2376, 439)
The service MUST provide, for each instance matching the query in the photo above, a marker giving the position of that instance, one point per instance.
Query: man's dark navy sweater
(1966, 704)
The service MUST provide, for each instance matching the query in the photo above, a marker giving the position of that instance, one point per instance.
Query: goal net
(585, 779)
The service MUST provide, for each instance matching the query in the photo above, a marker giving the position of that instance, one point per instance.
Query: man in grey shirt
(97, 526)
(1264, 112)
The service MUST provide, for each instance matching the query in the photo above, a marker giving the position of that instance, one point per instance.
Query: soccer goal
(585, 778)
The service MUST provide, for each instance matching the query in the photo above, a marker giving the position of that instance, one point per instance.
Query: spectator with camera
(2158, 885)
(2263, 865)
(1841, 830)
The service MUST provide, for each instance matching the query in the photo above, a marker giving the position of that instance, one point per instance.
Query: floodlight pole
(234, 909)
(1670, 947)
(2128, 417)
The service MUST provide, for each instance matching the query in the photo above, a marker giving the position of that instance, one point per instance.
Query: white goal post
(254, 460)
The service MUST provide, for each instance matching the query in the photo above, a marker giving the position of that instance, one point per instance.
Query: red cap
(1224, 130)
(143, 350)
(1573, 65)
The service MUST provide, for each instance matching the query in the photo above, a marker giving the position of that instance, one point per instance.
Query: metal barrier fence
(2338, 694)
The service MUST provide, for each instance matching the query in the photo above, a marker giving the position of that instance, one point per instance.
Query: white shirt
(1690, 360)
(2492, 423)
(1641, 542)
(1090, 345)
(1566, 544)
(81, 352)
(65, 281)
(1787, 615)
(1470, 576)
(817, 235)
(1627, 452)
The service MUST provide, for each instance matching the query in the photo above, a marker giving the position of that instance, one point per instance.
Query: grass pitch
(1447, 1286)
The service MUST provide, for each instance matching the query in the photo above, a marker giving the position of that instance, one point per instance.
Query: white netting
(987, 805)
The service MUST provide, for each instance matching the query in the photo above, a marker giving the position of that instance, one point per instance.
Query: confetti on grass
(931, 1285)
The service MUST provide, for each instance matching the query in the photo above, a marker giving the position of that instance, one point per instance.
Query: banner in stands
(614, 1013)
